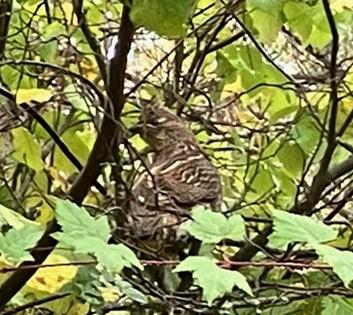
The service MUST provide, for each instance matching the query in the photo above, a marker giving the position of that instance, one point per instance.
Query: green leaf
(75, 98)
(309, 306)
(309, 22)
(89, 236)
(82, 244)
(207, 225)
(289, 227)
(248, 64)
(337, 305)
(299, 18)
(10, 76)
(225, 69)
(235, 228)
(76, 145)
(267, 24)
(165, 17)
(26, 149)
(262, 183)
(14, 219)
(48, 51)
(269, 6)
(279, 100)
(306, 134)
(115, 257)
(135, 295)
(319, 38)
(14, 245)
(212, 227)
(341, 261)
(53, 31)
(288, 187)
(112, 257)
(75, 219)
(283, 112)
(213, 280)
(292, 158)
(249, 58)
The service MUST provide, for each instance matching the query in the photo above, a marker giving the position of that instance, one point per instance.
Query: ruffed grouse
(179, 177)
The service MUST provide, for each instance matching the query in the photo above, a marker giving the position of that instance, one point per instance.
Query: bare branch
(331, 134)
(92, 41)
(35, 303)
(5, 16)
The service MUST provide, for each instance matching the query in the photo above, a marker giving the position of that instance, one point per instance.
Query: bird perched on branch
(179, 176)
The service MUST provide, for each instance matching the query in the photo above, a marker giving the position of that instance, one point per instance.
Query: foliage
(212, 227)
(265, 86)
(14, 246)
(340, 261)
(177, 13)
(89, 236)
(214, 280)
(290, 227)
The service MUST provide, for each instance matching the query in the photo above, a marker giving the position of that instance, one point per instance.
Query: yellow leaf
(92, 198)
(138, 142)
(33, 8)
(78, 309)
(89, 69)
(4, 264)
(341, 5)
(44, 210)
(245, 118)
(202, 4)
(69, 12)
(46, 214)
(110, 294)
(51, 279)
(231, 88)
(27, 95)
(347, 104)
(144, 94)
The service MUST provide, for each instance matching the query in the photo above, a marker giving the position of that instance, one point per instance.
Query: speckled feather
(179, 177)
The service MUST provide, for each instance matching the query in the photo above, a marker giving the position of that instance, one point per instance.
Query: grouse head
(161, 128)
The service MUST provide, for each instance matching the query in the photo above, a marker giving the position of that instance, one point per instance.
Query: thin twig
(35, 303)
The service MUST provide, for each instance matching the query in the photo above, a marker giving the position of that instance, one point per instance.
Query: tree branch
(38, 302)
(5, 16)
(331, 133)
(333, 73)
(110, 130)
(225, 42)
(92, 42)
(101, 149)
(340, 169)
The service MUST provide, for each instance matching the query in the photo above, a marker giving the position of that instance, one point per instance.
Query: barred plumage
(179, 177)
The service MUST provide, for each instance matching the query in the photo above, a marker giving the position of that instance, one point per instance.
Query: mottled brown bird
(179, 176)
